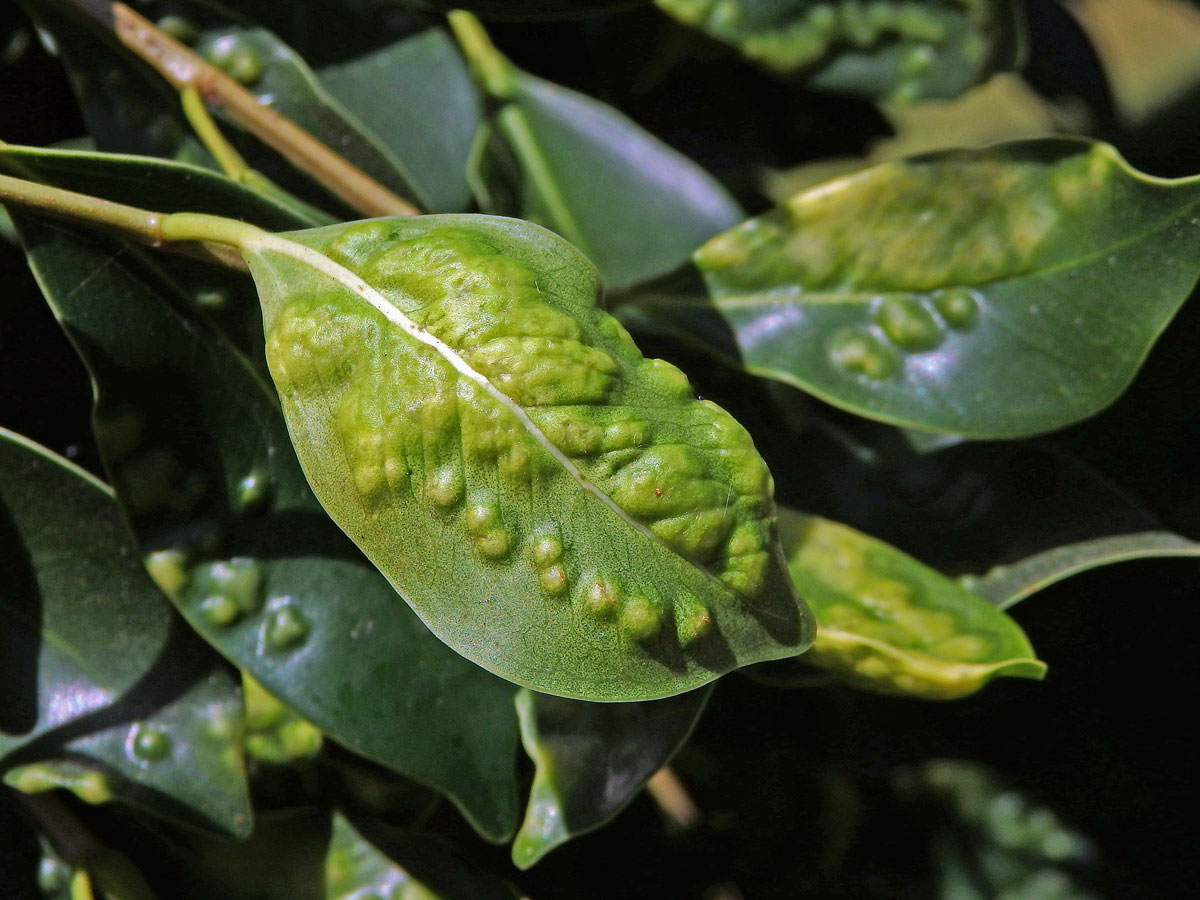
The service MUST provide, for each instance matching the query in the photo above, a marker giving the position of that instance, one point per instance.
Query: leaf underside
(892, 625)
(555, 506)
(993, 293)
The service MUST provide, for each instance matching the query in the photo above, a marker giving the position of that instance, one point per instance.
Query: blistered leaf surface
(890, 624)
(200, 456)
(995, 293)
(556, 507)
(935, 48)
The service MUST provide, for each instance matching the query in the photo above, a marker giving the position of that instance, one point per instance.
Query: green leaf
(890, 624)
(930, 48)
(354, 869)
(430, 118)
(126, 106)
(200, 456)
(993, 293)
(550, 155)
(1008, 585)
(592, 759)
(556, 507)
(275, 72)
(158, 723)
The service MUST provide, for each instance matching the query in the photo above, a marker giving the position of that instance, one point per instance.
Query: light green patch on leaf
(87, 783)
(556, 507)
(275, 733)
(900, 50)
(1008, 585)
(191, 430)
(158, 724)
(355, 870)
(993, 293)
(890, 624)
(591, 760)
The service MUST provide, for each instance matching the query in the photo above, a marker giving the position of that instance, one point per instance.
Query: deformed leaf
(931, 48)
(555, 506)
(157, 724)
(592, 759)
(993, 293)
(199, 452)
(1009, 584)
(890, 624)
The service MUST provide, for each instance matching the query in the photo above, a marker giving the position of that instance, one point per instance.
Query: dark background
(1106, 740)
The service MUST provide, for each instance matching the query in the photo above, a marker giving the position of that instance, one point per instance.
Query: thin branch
(673, 798)
(182, 68)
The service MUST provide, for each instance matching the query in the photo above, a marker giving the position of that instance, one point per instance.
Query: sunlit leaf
(592, 759)
(555, 506)
(105, 693)
(931, 48)
(890, 624)
(201, 460)
(996, 293)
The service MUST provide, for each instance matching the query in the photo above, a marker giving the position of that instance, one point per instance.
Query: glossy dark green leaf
(1008, 585)
(103, 688)
(633, 205)
(429, 114)
(276, 73)
(202, 463)
(929, 48)
(992, 293)
(592, 759)
(555, 506)
(888, 623)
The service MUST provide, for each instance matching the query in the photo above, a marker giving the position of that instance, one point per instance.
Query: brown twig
(182, 67)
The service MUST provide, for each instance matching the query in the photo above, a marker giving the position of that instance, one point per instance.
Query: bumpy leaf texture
(555, 506)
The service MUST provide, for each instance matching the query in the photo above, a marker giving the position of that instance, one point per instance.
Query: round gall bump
(959, 307)
(553, 581)
(481, 517)
(547, 547)
(908, 324)
(861, 353)
(494, 544)
(148, 744)
(286, 628)
(640, 620)
(667, 378)
(599, 598)
(220, 610)
(693, 621)
(444, 489)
